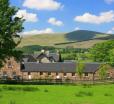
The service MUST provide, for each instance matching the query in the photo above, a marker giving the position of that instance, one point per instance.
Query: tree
(100, 52)
(10, 26)
(103, 71)
(111, 55)
(80, 69)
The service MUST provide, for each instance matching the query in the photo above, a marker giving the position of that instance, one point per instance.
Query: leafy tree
(100, 52)
(111, 55)
(103, 71)
(80, 68)
(10, 26)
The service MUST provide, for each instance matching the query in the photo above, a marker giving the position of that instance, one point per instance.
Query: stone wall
(11, 68)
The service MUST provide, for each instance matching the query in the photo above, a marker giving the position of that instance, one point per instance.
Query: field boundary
(57, 82)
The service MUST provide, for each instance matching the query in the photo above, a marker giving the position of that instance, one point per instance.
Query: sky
(49, 16)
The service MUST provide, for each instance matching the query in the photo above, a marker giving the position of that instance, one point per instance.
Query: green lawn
(56, 94)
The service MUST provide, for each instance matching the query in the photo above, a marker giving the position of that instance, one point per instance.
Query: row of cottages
(48, 66)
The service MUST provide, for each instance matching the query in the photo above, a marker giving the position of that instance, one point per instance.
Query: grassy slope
(43, 39)
(102, 94)
(83, 38)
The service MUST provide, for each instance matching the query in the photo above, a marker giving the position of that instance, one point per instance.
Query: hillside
(76, 39)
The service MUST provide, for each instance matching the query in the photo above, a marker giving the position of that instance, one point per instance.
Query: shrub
(14, 88)
(29, 89)
(12, 102)
(87, 86)
(46, 90)
(0, 89)
(1, 96)
(11, 88)
(107, 94)
(82, 93)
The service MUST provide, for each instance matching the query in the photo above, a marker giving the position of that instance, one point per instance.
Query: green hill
(76, 39)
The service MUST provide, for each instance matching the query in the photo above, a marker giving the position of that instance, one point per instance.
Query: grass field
(56, 94)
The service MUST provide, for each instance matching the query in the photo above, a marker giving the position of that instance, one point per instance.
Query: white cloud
(109, 1)
(111, 31)
(55, 22)
(35, 32)
(29, 17)
(104, 17)
(42, 4)
(77, 28)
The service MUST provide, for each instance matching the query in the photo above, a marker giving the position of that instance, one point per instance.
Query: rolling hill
(76, 39)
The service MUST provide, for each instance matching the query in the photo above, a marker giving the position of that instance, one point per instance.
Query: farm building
(49, 66)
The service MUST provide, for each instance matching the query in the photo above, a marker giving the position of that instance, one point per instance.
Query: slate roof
(68, 67)
(55, 56)
(28, 58)
(35, 57)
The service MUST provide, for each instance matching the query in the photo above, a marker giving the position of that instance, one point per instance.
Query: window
(41, 73)
(57, 73)
(22, 66)
(86, 74)
(5, 76)
(65, 74)
(29, 73)
(73, 74)
(8, 58)
(14, 73)
(9, 64)
(4, 73)
(49, 73)
(108, 75)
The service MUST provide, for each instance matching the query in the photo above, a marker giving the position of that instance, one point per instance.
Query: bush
(1, 96)
(82, 93)
(14, 88)
(107, 94)
(0, 89)
(11, 88)
(87, 86)
(45, 90)
(12, 102)
(30, 89)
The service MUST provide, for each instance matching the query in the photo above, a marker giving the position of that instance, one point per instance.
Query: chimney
(47, 53)
(60, 58)
(43, 51)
